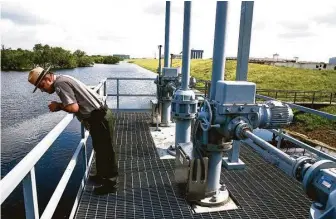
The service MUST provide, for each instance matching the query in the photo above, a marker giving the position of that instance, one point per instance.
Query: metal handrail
(302, 108)
(303, 145)
(127, 95)
(24, 171)
(17, 174)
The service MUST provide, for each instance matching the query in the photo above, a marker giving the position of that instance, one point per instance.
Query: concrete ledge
(163, 139)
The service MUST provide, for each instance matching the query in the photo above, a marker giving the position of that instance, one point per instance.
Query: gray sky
(306, 29)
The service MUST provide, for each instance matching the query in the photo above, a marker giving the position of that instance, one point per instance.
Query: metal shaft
(244, 40)
(218, 58)
(166, 110)
(215, 166)
(218, 67)
(159, 69)
(167, 34)
(267, 146)
(182, 131)
(186, 46)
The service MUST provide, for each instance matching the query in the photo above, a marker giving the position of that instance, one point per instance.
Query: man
(98, 119)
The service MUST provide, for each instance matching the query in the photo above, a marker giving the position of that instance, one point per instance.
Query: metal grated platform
(147, 188)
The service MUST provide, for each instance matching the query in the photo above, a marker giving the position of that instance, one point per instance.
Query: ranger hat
(36, 75)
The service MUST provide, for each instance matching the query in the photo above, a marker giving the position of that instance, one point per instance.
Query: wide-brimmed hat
(36, 75)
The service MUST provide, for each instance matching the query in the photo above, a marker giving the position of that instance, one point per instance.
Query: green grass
(265, 76)
(310, 122)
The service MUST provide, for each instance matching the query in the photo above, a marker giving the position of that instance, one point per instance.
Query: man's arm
(71, 108)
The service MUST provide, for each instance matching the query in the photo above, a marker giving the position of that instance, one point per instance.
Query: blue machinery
(224, 122)
(228, 118)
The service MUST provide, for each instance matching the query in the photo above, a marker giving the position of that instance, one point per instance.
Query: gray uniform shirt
(71, 90)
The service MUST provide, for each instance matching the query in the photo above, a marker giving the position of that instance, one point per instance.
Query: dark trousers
(101, 130)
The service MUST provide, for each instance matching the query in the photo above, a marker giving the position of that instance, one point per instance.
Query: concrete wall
(316, 66)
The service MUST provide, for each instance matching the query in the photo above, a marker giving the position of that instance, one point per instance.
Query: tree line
(45, 55)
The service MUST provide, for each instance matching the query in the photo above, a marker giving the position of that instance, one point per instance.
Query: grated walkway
(147, 188)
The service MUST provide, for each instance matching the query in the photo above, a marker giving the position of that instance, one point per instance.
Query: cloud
(329, 18)
(295, 26)
(295, 29)
(20, 16)
(259, 25)
(111, 37)
(296, 34)
(159, 9)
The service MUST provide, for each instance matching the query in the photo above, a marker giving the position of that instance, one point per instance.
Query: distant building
(332, 61)
(307, 65)
(194, 54)
(122, 56)
(293, 63)
(276, 57)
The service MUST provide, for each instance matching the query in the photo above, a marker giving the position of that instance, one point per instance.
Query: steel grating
(147, 188)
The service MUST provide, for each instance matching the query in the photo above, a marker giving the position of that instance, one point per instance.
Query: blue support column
(218, 67)
(218, 57)
(232, 161)
(166, 104)
(184, 96)
(244, 40)
(167, 34)
(186, 46)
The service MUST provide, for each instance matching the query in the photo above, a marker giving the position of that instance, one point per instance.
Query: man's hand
(55, 106)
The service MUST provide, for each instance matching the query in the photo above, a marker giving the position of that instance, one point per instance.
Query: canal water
(25, 120)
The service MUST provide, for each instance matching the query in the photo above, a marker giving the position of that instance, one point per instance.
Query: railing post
(294, 96)
(117, 94)
(105, 88)
(276, 94)
(313, 98)
(84, 149)
(30, 195)
(331, 96)
(280, 139)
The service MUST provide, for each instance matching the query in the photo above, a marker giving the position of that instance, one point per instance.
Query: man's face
(46, 85)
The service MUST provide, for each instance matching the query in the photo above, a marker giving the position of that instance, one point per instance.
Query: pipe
(244, 40)
(167, 34)
(186, 46)
(304, 145)
(267, 146)
(159, 69)
(166, 111)
(218, 67)
(218, 57)
(215, 166)
(182, 131)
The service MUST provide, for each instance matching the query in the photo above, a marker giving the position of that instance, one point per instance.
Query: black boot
(96, 179)
(108, 186)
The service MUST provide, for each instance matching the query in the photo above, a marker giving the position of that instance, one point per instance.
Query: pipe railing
(24, 171)
(118, 95)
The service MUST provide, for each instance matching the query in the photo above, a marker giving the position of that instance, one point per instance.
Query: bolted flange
(184, 104)
(220, 198)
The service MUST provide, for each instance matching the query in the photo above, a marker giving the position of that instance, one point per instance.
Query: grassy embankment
(271, 77)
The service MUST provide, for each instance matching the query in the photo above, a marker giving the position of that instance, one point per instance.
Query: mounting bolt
(223, 188)
(228, 110)
(240, 108)
(213, 199)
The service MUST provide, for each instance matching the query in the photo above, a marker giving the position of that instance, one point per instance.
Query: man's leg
(106, 161)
